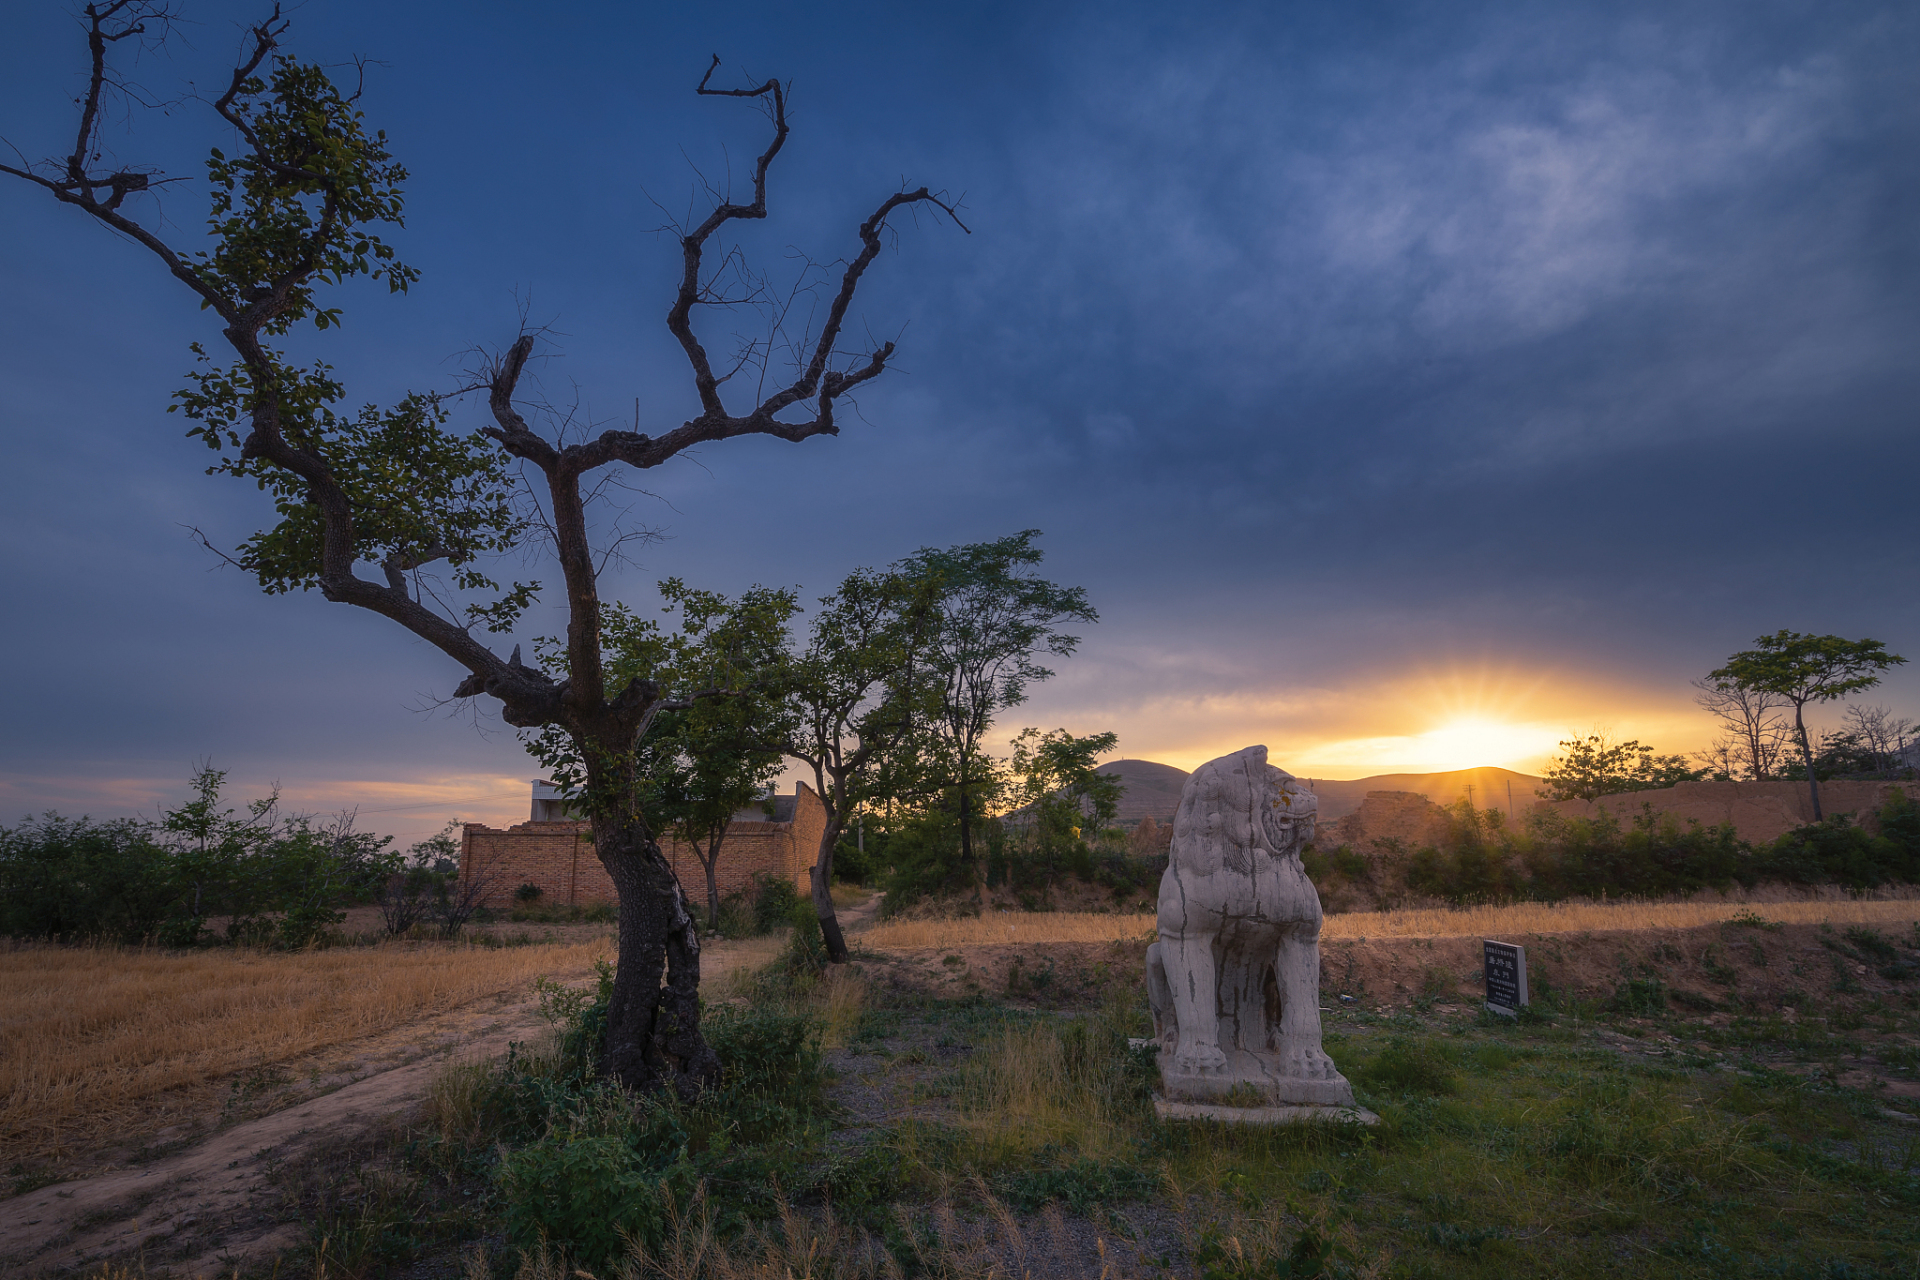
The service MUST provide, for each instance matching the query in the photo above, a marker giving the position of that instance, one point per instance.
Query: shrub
(582, 1195)
(924, 854)
(596, 1162)
(774, 899)
(1836, 851)
(768, 1053)
(527, 893)
(807, 949)
(68, 878)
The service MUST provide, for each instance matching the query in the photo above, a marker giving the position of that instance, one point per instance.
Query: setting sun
(1464, 743)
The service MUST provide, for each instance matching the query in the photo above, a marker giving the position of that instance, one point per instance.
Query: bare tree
(1880, 733)
(299, 195)
(1754, 729)
(452, 900)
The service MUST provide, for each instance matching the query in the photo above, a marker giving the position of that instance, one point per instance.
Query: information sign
(1506, 970)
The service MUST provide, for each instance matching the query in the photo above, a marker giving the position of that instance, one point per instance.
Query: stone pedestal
(1247, 1074)
(1262, 1115)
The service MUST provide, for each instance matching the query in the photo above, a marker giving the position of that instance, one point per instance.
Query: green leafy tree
(700, 759)
(995, 619)
(1060, 793)
(700, 766)
(303, 194)
(859, 699)
(1594, 765)
(1803, 669)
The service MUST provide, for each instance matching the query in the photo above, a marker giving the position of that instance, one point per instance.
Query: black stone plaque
(1506, 970)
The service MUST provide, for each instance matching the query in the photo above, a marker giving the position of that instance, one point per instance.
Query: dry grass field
(100, 1030)
(1439, 922)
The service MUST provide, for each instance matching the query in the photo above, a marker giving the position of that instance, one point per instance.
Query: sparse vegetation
(866, 1123)
(96, 1034)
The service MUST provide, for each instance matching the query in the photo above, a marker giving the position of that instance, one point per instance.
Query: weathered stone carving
(1234, 980)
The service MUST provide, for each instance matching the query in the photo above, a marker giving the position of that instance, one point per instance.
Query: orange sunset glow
(1434, 721)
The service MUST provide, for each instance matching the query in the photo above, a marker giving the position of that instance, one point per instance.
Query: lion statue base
(1234, 979)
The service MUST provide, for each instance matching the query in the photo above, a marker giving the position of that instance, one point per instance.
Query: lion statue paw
(1306, 1062)
(1200, 1060)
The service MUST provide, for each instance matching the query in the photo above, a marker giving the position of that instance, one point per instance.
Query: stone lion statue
(1234, 980)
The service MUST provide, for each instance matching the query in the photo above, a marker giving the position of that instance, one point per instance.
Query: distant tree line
(269, 878)
(1483, 856)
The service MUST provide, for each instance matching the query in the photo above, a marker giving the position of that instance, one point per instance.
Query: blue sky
(1385, 372)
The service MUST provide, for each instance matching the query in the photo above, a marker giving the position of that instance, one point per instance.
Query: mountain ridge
(1153, 789)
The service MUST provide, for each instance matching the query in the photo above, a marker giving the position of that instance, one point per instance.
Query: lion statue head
(1237, 804)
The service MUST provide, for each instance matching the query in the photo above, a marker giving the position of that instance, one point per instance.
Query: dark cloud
(1326, 348)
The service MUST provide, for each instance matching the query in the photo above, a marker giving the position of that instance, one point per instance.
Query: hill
(1153, 789)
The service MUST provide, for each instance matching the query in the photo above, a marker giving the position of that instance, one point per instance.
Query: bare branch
(208, 544)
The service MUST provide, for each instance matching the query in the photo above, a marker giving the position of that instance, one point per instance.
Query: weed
(1751, 919)
(1718, 970)
(1079, 1184)
(1452, 1238)
(24, 1179)
(1407, 1066)
(1640, 997)
(1025, 982)
(1843, 980)
(1871, 944)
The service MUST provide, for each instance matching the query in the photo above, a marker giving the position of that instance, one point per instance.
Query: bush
(924, 853)
(595, 1163)
(768, 1054)
(774, 899)
(807, 948)
(1838, 852)
(581, 1195)
(855, 865)
(63, 878)
(278, 879)
(1480, 857)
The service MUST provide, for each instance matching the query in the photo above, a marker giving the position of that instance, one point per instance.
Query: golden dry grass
(1032, 1086)
(1439, 922)
(99, 1029)
(1586, 917)
(1007, 927)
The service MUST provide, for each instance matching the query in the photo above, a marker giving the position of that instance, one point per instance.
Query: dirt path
(214, 1199)
(214, 1202)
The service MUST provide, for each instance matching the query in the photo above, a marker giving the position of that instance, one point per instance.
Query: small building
(776, 838)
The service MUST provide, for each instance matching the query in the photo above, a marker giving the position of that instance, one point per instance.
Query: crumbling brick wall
(558, 857)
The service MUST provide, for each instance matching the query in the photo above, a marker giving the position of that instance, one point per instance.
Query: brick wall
(559, 858)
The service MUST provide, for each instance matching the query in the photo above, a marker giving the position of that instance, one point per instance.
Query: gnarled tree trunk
(653, 1025)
